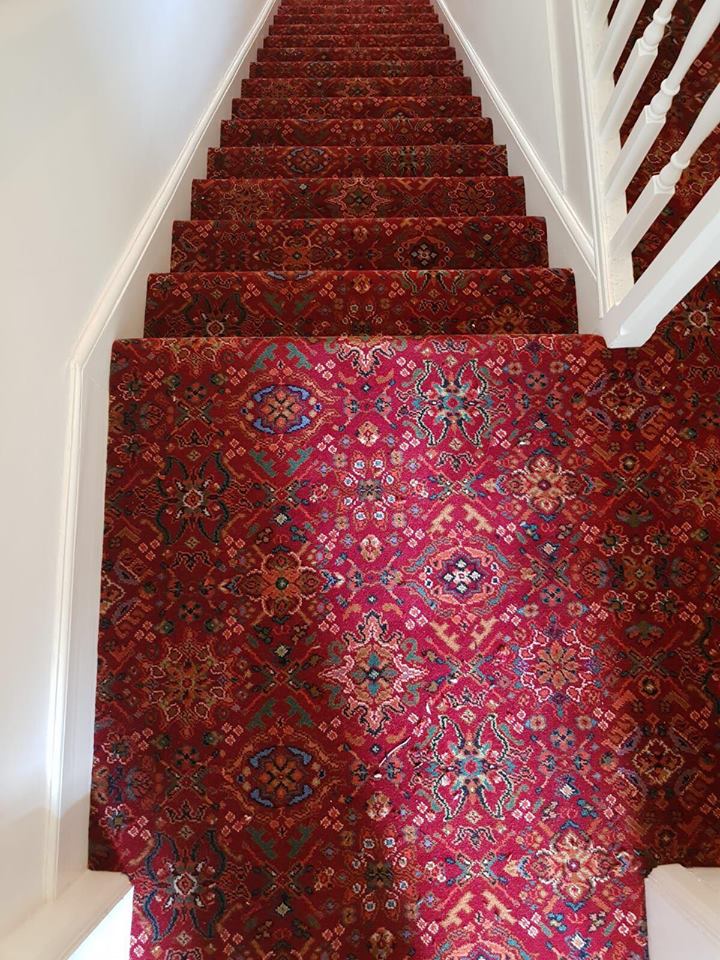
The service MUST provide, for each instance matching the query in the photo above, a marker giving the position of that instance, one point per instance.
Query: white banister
(631, 309)
(636, 70)
(603, 54)
(692, 251)
(653, 117)
(661, 188)
(621, 26)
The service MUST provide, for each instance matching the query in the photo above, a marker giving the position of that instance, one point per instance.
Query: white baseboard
(683, 908)
(571, 245)
(119, 313)
(89, 921)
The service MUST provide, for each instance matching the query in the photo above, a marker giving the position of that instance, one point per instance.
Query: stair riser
(355, 68)
(350, 6)
(376, 21)
(305, 14)
(329, 55)
(355, 133)
(425, 243)
(417, 30)
(336, 198)
(431, 161)
(397, 45)
(369, 108)
(356, 87)
(339, 304)
(404, 9)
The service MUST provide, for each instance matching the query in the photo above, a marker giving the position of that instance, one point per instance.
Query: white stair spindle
(621, 26)
(653, 117)
(691, 252)
(602, 9)
(636, 70)
(661, 188)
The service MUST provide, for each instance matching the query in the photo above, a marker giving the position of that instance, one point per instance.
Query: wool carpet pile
(409, 610)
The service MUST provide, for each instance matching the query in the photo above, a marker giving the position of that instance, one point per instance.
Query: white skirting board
(118, 313)
(90, 921)
(683, 909)
(570, 243)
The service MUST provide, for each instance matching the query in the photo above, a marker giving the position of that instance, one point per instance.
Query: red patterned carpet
(409, 637)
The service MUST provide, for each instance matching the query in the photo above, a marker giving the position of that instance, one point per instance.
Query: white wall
(97, 102)
(511, 37)
(528, 48)
(523, 56)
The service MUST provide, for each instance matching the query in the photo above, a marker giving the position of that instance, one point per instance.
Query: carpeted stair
(366, 132)
(356, 107)
(439, 160)
(349, 707)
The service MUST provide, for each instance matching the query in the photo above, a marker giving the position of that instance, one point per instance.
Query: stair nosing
(490, 217)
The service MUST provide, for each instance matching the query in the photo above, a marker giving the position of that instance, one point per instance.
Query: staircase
(344, 681)
(357, 190)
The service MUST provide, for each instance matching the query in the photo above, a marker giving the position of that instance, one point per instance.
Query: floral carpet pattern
(409, 627)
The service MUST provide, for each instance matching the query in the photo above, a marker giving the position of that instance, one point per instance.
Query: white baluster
(661, 188)
(688, 256)
(636, 70)
(653, 117)
(601, 9)
(621, 26)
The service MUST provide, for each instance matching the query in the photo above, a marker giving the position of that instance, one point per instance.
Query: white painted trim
(568, 237)
(683, 908)
(614, 276)
(118, 312)
(60, 929)
(554, 56)
(690, 254)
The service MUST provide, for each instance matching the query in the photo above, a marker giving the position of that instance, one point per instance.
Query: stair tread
(435, 160)
(326, 302)
(350, 5)
(248, 349)
(408, 5)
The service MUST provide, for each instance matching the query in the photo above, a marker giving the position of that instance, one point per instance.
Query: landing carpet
(409, 632)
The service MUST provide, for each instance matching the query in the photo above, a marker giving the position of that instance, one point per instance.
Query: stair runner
(360, 690)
